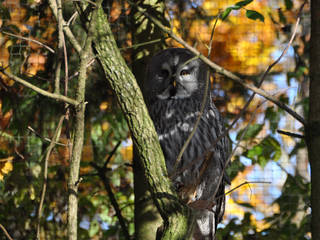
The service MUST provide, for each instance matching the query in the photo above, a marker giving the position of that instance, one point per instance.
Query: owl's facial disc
(178, 81)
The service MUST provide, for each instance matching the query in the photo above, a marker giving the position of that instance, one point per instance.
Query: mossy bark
(313, 127)
(177, 217)
(148, 40)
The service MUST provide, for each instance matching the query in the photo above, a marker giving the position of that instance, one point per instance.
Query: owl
(173, 90)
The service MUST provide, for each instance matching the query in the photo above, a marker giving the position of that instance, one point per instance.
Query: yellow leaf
(127, 152)
(32, 193)
(5, 166)
(104, 106)
(105, 126)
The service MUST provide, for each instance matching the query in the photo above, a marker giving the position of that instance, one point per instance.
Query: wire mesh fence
(240, 44)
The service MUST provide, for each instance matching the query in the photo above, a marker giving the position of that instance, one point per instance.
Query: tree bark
(148, 40)
(177, 217)
(78, 130)
(313, 127)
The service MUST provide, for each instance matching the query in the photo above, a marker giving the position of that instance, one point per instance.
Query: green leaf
(273, 117)
(251, 132)
(94, 228)
(226, 13)
(254, 15)
(282, 18)
(255, 151)
(235, 7)
(236, 167)
(276, 149)
(243, 3)
(268, 149)
(289, 4)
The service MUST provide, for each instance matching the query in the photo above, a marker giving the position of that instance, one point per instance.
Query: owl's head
(174, 73)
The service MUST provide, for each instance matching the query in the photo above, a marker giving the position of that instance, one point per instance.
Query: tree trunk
(177, 217)
(78, 130)
(149, 40)
(313, 128)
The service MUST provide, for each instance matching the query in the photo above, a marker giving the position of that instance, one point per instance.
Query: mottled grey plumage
(173, 90)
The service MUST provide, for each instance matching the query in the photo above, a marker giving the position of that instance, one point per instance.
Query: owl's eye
(164, 73)
(184, 73)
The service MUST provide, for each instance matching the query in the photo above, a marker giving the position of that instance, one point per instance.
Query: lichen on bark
(177, 217)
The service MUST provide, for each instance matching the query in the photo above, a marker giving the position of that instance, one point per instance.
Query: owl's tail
(205, 226)
(207, 221)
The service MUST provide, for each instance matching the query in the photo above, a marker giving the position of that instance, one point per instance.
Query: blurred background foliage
(270, 170)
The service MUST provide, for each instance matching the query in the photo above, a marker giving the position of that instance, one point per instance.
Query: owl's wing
(210, 205)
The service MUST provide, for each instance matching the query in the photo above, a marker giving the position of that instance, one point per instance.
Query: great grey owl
(173, 90)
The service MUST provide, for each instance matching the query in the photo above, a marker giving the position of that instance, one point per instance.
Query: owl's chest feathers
(174, 120)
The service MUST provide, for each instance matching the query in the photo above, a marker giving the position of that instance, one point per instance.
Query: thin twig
(211, 36)
(298, 183)
(93, 3)
(291, 134)
(55, 138)
(259, 84)
(111, 154)
(8, 159)
(102, 174)
(142, 44)
(30, 40)
(233, 152)
(5, 232)
(55, 96)
(88, 65)
(45, 138)
(72, 18)
(218, 68)
(203, 104)
(244, 183)
(78, 129)
(66, 29)
(59, 49)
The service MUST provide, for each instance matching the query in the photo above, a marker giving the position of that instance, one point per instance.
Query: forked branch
(218, 68)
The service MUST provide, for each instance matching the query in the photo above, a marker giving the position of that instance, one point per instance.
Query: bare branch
(78, 129)
(88, 65)
(242, 184)
(218, 68)
(102, 174)
(203, 104)
(30, 40)
(211, 36)
(93, 3)
(290, 134)
(44, 138)
(233, 151)
(60, 49)
(246, 105)
(111, 154)
(55, 96)
(141, 44)
(262, 79)
(62, 46)
(72, 18)
(55, 138)
(5, 232)
(66, 29)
